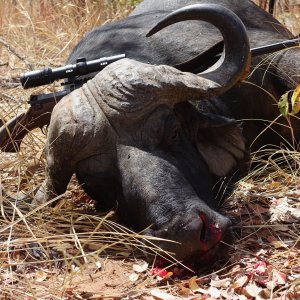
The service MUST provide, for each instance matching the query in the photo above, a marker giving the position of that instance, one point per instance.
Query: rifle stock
(13, 132)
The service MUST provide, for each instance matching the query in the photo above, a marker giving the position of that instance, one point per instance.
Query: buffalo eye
(172, 135)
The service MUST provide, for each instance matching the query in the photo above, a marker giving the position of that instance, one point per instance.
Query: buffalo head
(132, 138)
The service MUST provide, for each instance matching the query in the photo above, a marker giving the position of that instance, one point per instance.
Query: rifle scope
(82, 67)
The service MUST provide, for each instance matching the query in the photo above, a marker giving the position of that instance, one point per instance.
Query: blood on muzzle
(212, 233)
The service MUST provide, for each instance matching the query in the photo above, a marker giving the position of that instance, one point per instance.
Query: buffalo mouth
(202, 258)
(209, 243)
(199, 246)
(208, 254)
(213, 236)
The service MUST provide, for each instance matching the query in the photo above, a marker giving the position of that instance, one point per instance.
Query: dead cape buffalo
(132, 138)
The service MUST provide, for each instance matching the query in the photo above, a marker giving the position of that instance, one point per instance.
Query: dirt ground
(69, 251)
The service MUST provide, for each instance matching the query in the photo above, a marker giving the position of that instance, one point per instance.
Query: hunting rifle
(41, 106)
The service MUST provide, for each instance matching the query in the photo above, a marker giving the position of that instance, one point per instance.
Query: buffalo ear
(221, 144)
(217, 138)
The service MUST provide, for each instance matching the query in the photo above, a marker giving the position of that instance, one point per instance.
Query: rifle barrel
(209, 57)
(275, 47)
(83, 67)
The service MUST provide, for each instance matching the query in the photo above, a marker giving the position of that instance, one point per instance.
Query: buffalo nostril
(212, 232)
(203, 233)
(203, 229)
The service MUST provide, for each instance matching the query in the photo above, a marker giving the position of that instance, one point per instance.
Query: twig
(15, 52)
(10, 98)
(9, 82)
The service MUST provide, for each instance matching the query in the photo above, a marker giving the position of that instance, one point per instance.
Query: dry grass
(287, 11)
(62, 252)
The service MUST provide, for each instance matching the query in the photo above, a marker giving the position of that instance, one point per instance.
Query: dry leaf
(260, 268)
(214, 292)
(220, 283)
(231, 295)
(75, 269)
(193, 285)
(132, 295)
(283, 104)
(165, 277)
(40, 276)
(98, 265)
(240, 282)
(282, 211)
(140, 268)
(235, 269)
(253, 290)
(274, 185)
(261, 252)
(182, 290)
(279, 278)
(265, 294)
(133, 277)
(295, 100)
(279, 244)
(160, 295)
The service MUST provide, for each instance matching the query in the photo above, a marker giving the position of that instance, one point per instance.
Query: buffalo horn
(235, 61)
